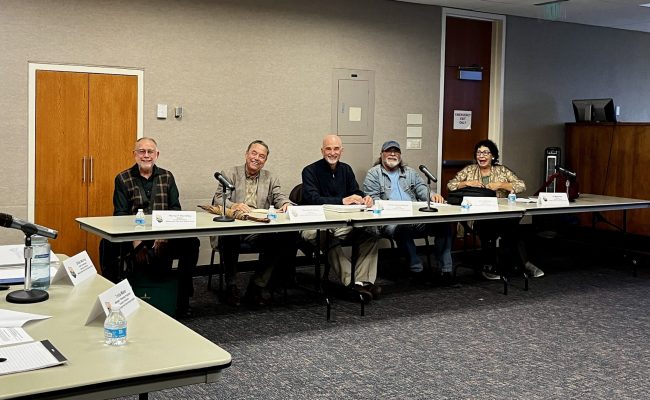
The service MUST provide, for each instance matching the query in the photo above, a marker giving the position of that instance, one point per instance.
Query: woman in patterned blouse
(488, 173)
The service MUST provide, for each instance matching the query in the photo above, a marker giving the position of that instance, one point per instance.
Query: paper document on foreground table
(344, 208)
(13, 319)
(28, 357)
(14, 336)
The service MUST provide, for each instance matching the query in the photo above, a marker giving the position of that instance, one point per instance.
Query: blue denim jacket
(377, 184)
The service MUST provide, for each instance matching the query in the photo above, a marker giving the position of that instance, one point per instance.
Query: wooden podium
(613, 159)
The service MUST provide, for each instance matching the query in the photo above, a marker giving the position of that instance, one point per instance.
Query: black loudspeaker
(551, 159)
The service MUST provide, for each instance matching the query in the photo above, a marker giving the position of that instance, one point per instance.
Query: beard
(391, 163)
(332, 160)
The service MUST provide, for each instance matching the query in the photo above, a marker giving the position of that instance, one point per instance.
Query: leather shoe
(233, 297)
(257, 296)
(364, 292)
(449, 280)
(375, 290)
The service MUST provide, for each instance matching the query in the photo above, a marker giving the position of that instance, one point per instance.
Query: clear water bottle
(139, 218)
(376, 210)
(40, 263)
(512, 198)
(115, 327)
(273, 214)
(464, 206)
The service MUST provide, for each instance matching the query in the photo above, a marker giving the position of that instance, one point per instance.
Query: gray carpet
(581, 332)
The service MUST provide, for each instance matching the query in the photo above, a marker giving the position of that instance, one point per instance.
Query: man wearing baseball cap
(391, 179)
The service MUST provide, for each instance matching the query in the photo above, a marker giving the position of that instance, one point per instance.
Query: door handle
(83, 170)
(92, 169)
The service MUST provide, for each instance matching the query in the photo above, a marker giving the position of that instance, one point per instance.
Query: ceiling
(621, 14)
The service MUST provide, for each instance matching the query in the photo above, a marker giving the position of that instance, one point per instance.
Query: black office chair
(317, 254)
(220, 268)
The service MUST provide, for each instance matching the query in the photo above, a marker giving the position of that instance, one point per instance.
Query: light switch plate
(161, 112)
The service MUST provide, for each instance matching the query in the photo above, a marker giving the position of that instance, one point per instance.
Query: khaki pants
(366, 266)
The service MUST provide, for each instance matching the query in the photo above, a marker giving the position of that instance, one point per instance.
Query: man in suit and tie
(255, 188)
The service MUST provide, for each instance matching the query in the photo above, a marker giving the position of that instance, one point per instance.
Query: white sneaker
(533, 270)
(488, 275)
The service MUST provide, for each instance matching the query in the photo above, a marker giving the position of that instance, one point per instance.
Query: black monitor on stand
(594, 110)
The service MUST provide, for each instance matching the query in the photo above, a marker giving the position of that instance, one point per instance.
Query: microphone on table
(224, 181)
(430, 178)
(27, 295)
(565, 171)
(428, 174)
(28, 228)
(226, 185)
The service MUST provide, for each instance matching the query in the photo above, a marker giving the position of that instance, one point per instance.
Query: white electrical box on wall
(161, 112)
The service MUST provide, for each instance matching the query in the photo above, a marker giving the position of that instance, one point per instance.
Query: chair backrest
(296, 194)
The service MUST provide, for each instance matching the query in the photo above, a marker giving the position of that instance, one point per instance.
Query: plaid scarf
(136, 193)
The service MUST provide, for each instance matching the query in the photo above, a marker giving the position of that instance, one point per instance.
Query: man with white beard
(391, 179)
(331, 181)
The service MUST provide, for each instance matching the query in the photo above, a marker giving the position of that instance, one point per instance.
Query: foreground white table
(161, 352)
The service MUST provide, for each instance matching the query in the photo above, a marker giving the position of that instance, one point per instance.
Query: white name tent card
(119, 295)
(482, 204)
(76, 269)
(549, 199)
(395, 208)
(306, 213)
(173, 219)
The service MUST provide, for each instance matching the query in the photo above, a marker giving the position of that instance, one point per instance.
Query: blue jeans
(404, 235)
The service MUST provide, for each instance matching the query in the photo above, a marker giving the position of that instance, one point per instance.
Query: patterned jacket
(498, 173)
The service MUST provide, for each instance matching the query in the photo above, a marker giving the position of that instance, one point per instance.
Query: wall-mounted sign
(462, 120)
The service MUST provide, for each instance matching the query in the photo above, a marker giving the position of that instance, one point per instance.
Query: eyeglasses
(483, 153)
(145, 151)
(392, 151)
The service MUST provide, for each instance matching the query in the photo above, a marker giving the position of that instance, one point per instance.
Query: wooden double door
(86, 124)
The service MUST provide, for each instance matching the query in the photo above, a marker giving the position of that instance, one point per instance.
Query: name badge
(396, 208)
(173, 219)
(119, 295)
(76, 269)
(306, 213)
(549, 199)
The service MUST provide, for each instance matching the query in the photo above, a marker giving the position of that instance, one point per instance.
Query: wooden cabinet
(86, 125)
(612, 159)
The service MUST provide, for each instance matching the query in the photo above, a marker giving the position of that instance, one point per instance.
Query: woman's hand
(471, 183)
(500, 185)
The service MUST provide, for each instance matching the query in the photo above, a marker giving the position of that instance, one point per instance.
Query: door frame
(497, 72)
(31, 148)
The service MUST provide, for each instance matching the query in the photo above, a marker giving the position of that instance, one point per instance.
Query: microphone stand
(223, 217)
(428, 208)
(28, 295)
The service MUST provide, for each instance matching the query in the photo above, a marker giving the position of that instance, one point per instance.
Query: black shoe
(364, 291)
(449, 280)
(418, 278)
(233, 296)
(375, 290)
(257, 296)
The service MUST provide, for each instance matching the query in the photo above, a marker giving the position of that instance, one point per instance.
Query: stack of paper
(342, 208)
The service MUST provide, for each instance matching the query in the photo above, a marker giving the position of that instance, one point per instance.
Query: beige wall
(243, 70)
(247, 69)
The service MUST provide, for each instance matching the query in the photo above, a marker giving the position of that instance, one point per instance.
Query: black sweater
(322, 185)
